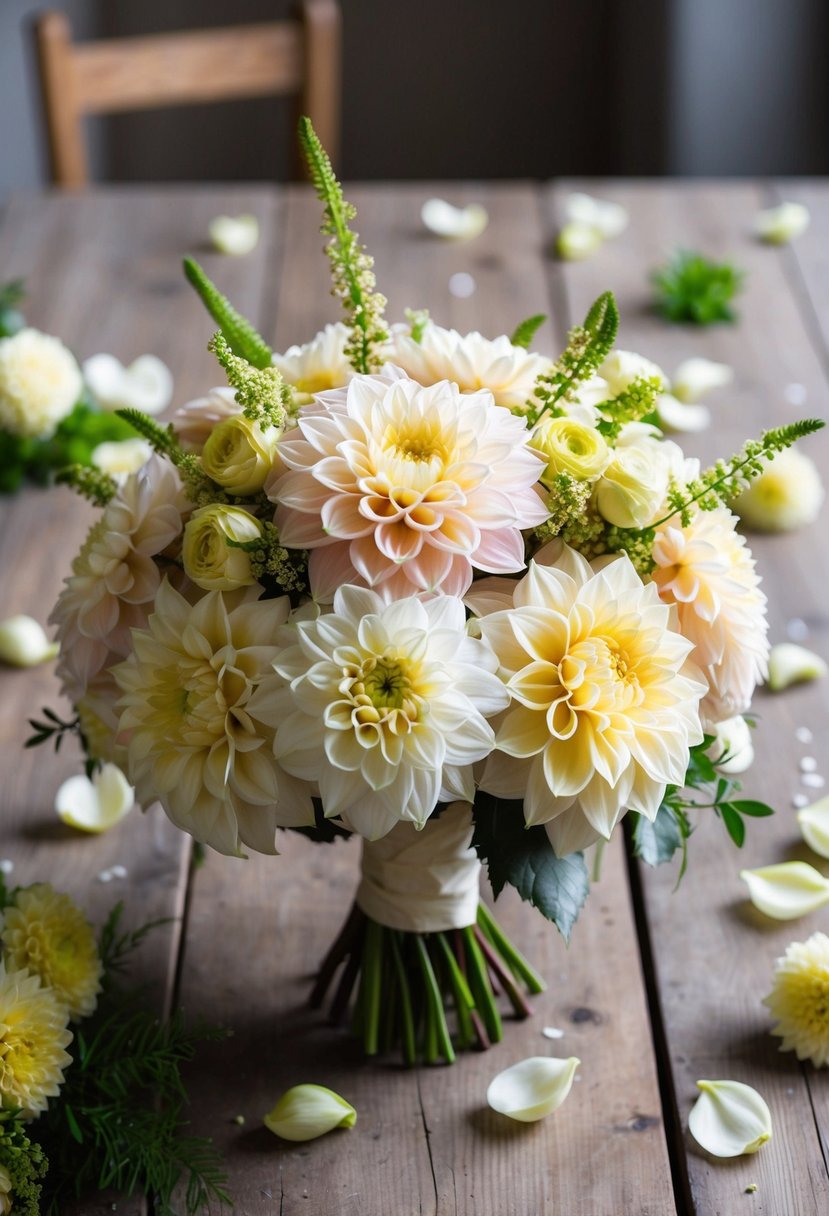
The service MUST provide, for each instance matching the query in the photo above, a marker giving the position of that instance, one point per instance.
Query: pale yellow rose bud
(308, 1111)
(570, 447)
(239, 454)
(632, 487)
(209, 560)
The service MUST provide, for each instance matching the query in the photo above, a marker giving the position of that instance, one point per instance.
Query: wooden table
(658, 988)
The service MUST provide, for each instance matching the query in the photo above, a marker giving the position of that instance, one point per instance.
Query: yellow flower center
(422, 441)
(381, 697)
(385, 683)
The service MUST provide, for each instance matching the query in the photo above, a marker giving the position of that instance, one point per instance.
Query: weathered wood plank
(713, 955)
(425, 1140)
(103, 273)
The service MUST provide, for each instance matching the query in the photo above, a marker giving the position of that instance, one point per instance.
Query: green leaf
(74, 1130)
(656, 842)
(733, 823)
(692, 287)
(523, 858)
(756, 810)
(239, 334)
(524, 333)
(701, 770)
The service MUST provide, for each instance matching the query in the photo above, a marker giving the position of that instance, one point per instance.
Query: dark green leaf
(756, 810)
(691, 287)
(523, 858)
(524, 333)
(74, 1130)
(733, 823)
(656, 842)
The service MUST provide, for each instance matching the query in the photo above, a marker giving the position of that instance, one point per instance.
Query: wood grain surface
(657, 988)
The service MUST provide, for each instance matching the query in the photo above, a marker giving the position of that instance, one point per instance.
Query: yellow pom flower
(570, 447)
(44, 931)
(33, 1042)
(799, 999)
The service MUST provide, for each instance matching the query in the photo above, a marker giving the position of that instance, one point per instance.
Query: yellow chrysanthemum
(799, 999)
(45, 932)
(33, 1042)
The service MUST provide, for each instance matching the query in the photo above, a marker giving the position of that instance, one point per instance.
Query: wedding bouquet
(435, 590)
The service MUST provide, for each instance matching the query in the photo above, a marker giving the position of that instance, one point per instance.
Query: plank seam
(793, 274)
(428, 1136)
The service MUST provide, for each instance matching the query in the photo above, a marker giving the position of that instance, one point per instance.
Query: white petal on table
(98, 804)
(532, 1089)
(788, 890)
(778, 225)
(147, 384)
(608, 218)
(729, 1119)
(696, 377)
(792, 664)
(306, 1112)
(23, 642)
(234, 234)
(679, 416)
(814, 826)
(454, 223)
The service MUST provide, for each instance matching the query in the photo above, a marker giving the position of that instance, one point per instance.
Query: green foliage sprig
(74, 440)
(524, 333)
(262, 393)
(631, 405)
(53, 728)
(239, 334)
(24, 1161)
(588, 345)
(692, 287)
(351, 267)
(418, 319)
(91, 483)
(272, 563)
(11, 318)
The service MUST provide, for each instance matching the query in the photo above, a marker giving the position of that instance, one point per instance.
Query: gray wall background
(476, 88)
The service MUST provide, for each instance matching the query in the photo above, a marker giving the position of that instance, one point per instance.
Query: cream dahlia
(33, 1042)
(319, 365)
(799, 999)
(46, 933)
(471, 361)
(604, 709)
(707, 571)
(386, 706)
(114, 577)
(195, 738)
(406, 488)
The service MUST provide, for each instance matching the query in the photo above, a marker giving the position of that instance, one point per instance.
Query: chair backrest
(300, 57)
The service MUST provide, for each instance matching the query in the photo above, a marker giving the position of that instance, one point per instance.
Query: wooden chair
(300, 57)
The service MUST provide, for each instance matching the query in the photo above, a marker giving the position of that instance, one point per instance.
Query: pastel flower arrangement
(401, 580)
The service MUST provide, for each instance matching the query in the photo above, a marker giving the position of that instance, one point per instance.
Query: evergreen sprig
(262, 393)
(692, 287)
(588, 345)
(631, 405)
(238, 332)
(53, 728)
(351, 267)
(524, 333)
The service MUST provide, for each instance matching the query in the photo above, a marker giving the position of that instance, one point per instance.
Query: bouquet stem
(429, 994)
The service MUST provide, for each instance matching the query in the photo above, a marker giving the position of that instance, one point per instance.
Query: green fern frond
(524, 333)
(632, 404)
(588, 345)
(239, 334)
(89, 482)
(351, 267)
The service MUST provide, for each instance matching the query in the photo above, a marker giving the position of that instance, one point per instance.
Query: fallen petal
(308, 1111)
(23, 642)
(792, 664)
(95, 805)
(778, 225)
(578, 241)
(696, 377)
(609, 218)
(787, 890)
(454, 223)
(234, 234)
(532, 1089)
(729, 1119)
(675, 415)
(814, 826)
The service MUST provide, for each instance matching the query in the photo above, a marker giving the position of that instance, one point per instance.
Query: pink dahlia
(405, 488)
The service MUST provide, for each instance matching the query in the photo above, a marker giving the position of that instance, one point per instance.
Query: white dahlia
(604, 708)
(319, 365)
(406, 488)
(386, 706)
(471, 361)
(195, 738)
(707, 571)
(114, 577)
(40, 383)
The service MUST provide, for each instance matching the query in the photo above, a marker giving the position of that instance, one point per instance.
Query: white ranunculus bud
(234, 234)
(40, 383)
(634, 484)
(209, 560)
(23, 642)
(239, 454)
(308, 1111)
(732, 750)
(729, 1119)
(788, 494)
(779, 225)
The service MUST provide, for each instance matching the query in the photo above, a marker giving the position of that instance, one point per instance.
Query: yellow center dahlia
(33, 1042)
(799, 999)
(603, 712)
(45, 932)
(196, 721)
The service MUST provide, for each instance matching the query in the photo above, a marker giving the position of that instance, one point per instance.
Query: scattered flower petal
(813, 780)
(308, 1111)
(732, 750)
(578, 241)
(803, 734)
(6, 866)
(779, 225)
(609, 219)
(532, 1089)
(147, 384)
(799, 800)
(454, 223)
(234, 234)
(552, 1032)
(462, 285)
(96, 805)
(787, 890)
(696, 377)
(729, 1119)
(814, 826)
(799, 999)
(121, 457)
(787, 495)
(23, 642)
(791, 664)
(808, 764)
(675, 415)
(796, 394)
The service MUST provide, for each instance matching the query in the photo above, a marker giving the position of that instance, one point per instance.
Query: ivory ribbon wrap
(426, 881)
